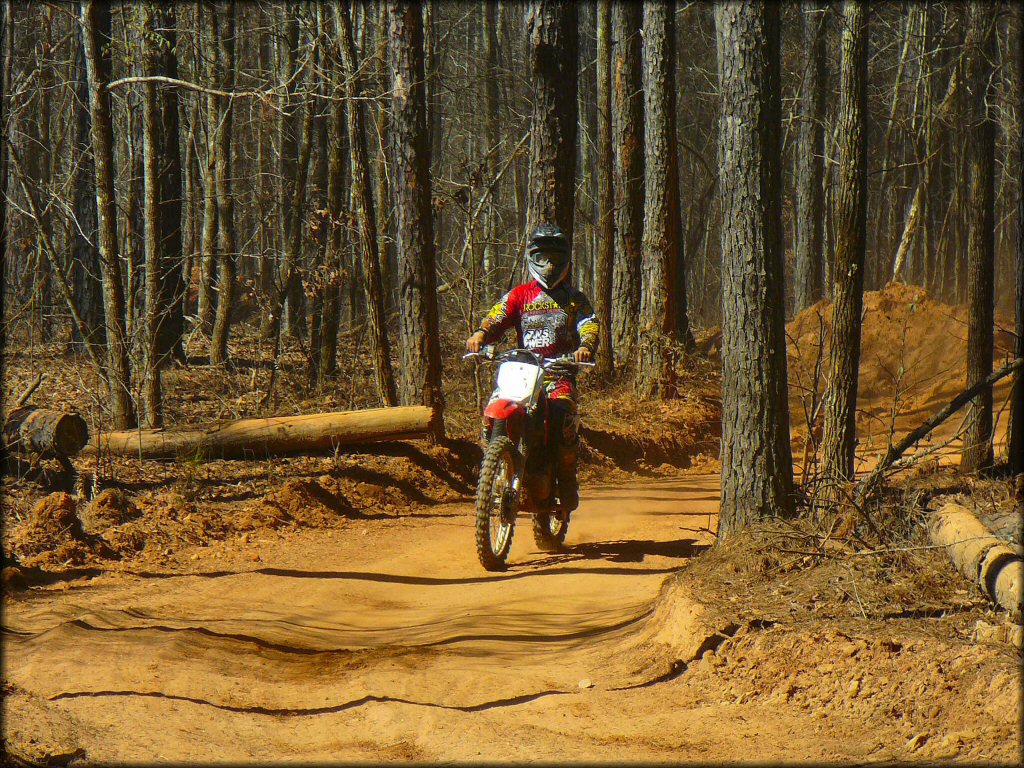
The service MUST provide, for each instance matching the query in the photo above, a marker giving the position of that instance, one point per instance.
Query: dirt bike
(517, 472)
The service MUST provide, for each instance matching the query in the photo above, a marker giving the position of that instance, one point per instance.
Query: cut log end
(30, 429)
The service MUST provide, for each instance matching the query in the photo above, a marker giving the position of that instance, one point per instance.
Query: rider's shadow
(623, 551)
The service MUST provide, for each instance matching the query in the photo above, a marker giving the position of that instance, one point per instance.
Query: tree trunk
(380, 345)
(809, 264)
(840, 427)
(628, 176)
(30, 429)
(605, 189)
(208, 236)
(288, 129)
(1016, 440)
(981, 126)
(419, 342)
(162, 212)
(95, 20)
(224, 32)
(263, 438)
(661, 238)
(85, 262)
(757, 466)
(551, 34)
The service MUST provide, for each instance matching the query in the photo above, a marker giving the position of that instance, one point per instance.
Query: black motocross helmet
(547, 255)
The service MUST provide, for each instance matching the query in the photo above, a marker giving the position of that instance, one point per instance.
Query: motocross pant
(564, 440)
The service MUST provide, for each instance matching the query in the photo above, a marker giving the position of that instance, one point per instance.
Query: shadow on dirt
(631, 454)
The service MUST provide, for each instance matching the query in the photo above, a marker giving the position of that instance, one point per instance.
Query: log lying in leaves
(979, 555)
(261, 438)
(30, 429)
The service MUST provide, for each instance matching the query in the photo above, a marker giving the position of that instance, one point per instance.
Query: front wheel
(549, 529)
(496, 504)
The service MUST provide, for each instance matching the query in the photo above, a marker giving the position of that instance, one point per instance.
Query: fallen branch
(24, 396)
(867, 486)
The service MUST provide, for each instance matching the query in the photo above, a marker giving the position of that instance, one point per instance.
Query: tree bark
(262, 438)
(840, 427)
(162, 211)
(95, 20)
(1016, 439)
(380, 344)
(981, 143)
(757, 466)
(628, 175)
(30, 429)
(662, 235)
(605, 189)
(224, 32)
(87, 287)
(419, 342)
(809, 264)
(207, 303)
(551, 34)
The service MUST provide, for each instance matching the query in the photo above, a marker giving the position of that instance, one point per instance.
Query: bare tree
(366, 219)
(419, 344)
(809, 257)
(605, 189)
(981, 143)
(95, 20)
(628, 144)
(551, 34)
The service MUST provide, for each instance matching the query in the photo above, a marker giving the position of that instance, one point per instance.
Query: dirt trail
(334, 645)
(388, 641)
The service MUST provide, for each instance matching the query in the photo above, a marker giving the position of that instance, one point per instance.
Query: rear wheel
(549, 530)
(496, 504)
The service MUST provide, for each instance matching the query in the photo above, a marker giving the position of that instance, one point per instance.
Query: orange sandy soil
(332, 609)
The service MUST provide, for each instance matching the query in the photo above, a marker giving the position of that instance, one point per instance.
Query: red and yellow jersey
(551, 323)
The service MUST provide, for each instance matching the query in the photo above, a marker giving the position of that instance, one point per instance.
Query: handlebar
(544, 362)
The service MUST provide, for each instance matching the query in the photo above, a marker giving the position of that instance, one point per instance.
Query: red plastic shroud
(509, 411)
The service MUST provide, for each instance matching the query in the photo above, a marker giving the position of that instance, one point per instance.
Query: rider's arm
(501, 317)
(587, 325)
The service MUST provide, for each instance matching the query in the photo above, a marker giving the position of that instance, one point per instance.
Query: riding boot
(568, 486)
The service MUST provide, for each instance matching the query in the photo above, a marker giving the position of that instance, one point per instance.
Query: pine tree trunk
(840, 426)
(380, 345)
(981, 144)
(419, 343)
(95, 20)
(605, 189)
(628, 177)
(1016, 440)
(661, 236)
(757, 467)
(551, 34)
(809, 264)
(224, 32)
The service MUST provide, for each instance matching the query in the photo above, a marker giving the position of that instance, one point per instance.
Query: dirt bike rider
(552, 318)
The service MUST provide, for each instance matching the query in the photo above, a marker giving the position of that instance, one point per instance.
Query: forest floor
(332, 609)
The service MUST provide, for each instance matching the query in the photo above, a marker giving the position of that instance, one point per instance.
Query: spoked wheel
(496, 504)
(549, 529)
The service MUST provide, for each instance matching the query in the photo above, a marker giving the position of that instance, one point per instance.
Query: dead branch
(867, 486)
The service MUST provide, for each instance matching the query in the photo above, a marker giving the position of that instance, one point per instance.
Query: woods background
(175, 173)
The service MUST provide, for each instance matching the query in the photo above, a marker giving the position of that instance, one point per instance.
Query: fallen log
(30, 429)
(261, 438)
(979, 555)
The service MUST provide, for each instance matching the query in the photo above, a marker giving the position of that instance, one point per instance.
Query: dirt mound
(911, 345)
(111, 507)
(881, 681)
(52, 529)
(304, 502)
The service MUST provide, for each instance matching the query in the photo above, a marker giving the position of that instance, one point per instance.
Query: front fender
(510, 412)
